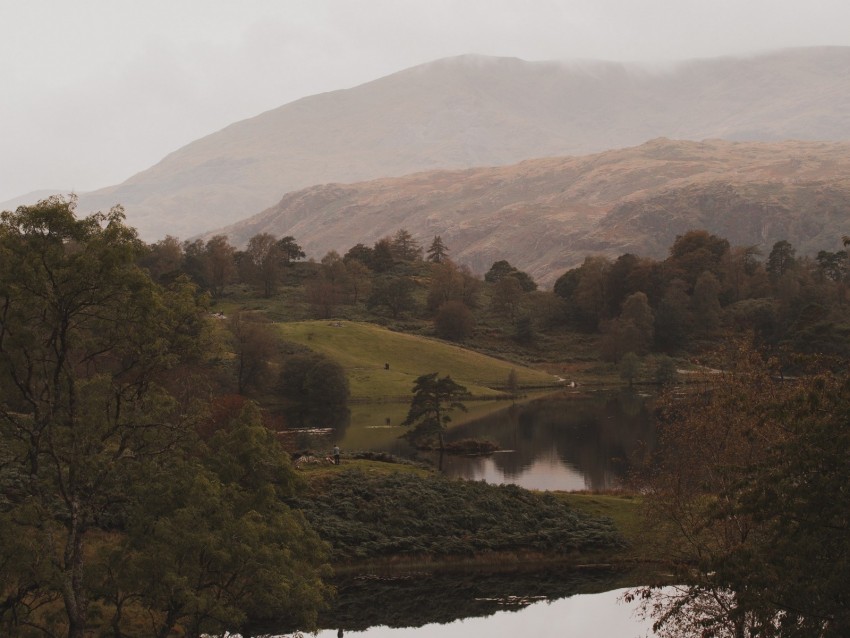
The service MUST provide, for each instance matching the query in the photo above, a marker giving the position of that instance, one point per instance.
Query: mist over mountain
(547, 215)
(479, 111)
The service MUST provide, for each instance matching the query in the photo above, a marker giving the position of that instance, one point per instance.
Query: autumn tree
(748, 498)
(433, 399)
(450, 282)
(454, 321)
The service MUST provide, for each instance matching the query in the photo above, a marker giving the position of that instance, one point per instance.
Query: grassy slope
(363, 349)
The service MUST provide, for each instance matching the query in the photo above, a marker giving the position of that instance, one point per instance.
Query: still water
(602, 615)
(566, 441)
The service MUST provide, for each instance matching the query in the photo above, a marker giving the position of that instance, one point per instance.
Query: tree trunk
(73, 593)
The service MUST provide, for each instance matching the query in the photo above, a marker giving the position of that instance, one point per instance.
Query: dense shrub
(364, 516)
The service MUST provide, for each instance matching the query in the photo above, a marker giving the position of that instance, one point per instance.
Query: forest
(143, 487)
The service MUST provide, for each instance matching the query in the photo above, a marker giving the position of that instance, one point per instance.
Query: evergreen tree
(437, 251)
(433, 399)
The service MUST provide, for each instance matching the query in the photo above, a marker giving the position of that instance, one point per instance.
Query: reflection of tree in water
(313, 434)
(598, 435)
(417, 599)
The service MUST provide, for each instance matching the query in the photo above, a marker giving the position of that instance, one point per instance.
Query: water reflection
(600, 615)
(565, 442)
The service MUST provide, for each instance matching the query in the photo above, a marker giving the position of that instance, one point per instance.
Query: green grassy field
(363, 350)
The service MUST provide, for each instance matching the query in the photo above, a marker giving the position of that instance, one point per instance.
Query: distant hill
(479, 111)
(546, 215)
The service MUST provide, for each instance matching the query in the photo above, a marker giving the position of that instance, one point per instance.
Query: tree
(433, 399)
(85, 336)
(450, 282)
(695, 252)
(501, 269)
(315, 389)
(437, 251)
(749, 496)
(404, 247)
(110, 504)
(393, 293)
(264, 261)
(454, 321)
(254, 344)
(289, 250)
(382, 257)
(507, 297)
(359, 252)
(164, 259)
(219, 264)
(706, 305)
(780, 260)
(359, 280)
(631, 332)
(211, 547)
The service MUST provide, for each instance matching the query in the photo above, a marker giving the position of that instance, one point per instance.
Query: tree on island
(433, 399)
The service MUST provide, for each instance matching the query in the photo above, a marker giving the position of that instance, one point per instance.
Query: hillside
(364, 349)
(479, 111)
(546, 215)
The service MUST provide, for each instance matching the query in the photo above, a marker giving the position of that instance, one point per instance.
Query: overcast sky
(94, 91)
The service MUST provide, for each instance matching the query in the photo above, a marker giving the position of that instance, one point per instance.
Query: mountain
(546, 215)
(479, 111)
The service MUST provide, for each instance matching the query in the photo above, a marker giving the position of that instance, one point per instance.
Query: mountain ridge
(480, 111)
(546, 215)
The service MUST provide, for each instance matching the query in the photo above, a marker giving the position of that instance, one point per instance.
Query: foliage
(371, 516)
(433, 399)
(393, 294)
(437, 251)
(501, 269)
(255, 346)
(454, 321)
(750, 497)
(315, 388)
(101, 391)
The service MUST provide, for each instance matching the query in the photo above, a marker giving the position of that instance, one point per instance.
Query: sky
(94, 91)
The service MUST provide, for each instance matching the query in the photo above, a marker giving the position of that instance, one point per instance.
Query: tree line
(133, 496)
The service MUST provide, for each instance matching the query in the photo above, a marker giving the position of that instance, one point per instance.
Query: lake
(571, 440)
(602, 615)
